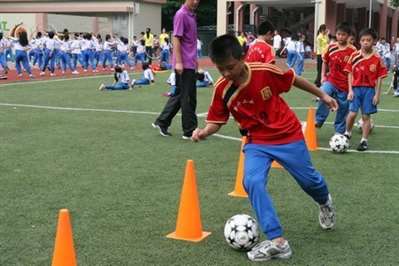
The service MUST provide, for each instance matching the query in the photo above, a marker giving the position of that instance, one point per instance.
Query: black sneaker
(362, 146)
(186, 136)
(163, 131)
(347, 136)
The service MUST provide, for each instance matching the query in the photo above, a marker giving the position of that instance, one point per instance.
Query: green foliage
(395, 3)
(206, 13)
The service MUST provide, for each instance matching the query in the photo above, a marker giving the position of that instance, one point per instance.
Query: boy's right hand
(179, 68)
(350, 96)
(198, 134)
(330, 102)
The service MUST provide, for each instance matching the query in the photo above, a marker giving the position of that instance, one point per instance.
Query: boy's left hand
(376, 100)
(330, 102)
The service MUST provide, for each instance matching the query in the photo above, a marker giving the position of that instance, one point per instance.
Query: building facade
(124, 18)
(310, 14)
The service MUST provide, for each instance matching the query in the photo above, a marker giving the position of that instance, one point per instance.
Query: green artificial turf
(121, 182)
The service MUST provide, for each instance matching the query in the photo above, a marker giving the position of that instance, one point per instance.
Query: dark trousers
(184, 98)
(317, 82)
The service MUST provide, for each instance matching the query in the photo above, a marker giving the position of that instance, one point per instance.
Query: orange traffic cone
(276, 165)
(188, 225)
(64, 252)
(310, 130)
(239, 190)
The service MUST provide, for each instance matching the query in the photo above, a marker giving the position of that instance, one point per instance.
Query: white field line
(320, 148)
(155, 113)
(52, 80)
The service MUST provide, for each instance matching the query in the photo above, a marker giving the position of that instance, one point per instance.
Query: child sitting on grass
(121, 80)
(148, 76)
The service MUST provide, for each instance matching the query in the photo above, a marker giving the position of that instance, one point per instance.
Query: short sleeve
(178, 25)
(326, 56)
(282, 81)
(382, 70)
(218, 112)
(348, 66)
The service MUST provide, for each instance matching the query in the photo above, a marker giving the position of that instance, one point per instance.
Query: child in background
(140, 55)
(75, 52)
(204, 79)
(290, 46)
(165, 54)
(365, 71)
(148, 76)
(172, 82)
(121, 80)
(260, 50)
(108, 44)
(300, 48)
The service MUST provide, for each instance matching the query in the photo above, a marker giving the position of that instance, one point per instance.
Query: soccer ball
(359, 125)
(241, 232)
(339, 143)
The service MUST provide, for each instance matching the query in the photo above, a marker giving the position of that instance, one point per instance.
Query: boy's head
(382, 40)
(145, 65)
(142, 42)
(266, 30)
(118, 69)
(367, 38)
(343, 32)
(226, 52)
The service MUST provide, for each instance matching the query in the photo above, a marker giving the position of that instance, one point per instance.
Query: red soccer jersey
(365, 70)
(336, 60)
(260, 51)
(257, 105)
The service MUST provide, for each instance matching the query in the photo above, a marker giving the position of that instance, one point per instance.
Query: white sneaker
(42, 73)
(133, 82)
(102, 87)
(20, 75)
(75, 72)
(327, 214)
(52, 74)
(268, 250)
(84, 70)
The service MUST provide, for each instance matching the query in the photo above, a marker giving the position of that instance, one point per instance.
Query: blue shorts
(363, 99)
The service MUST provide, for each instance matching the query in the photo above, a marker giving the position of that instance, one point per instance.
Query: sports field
(64, 144)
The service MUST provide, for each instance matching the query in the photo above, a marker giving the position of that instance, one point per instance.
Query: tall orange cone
(276, 165)
(64, 252)
(188, 225)
(310, 130)
(239, 190)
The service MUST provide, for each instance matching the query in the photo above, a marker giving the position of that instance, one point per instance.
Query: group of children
(49, 50)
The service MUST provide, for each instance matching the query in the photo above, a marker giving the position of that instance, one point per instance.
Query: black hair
(66, 37)
(224, 47)
(142, 33)
(344, 27)
(1, 35)
(107, 37)
(23, 38)
(145, 66)
(39, 34)
(142, 42)
(124, 40)
(322, 27)
(265, 27)
(118, 69)
(166, 40)
(51, 34)
(99, 36)
(368, 31)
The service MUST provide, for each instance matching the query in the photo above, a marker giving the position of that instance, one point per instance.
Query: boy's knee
(252, 182)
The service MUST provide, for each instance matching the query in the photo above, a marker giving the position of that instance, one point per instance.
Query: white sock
(348, 133)
(363, 139)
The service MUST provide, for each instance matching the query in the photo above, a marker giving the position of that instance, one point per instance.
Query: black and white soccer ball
(241, 232)
(339, 143)
(359, 125)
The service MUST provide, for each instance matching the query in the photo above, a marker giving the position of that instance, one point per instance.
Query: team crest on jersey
(266, 93)
(373, 68)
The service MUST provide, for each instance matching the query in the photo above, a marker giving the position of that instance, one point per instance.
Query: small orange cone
(310, 130)
(276, 165)
(64, 252)
(188, 225)
(239, 190)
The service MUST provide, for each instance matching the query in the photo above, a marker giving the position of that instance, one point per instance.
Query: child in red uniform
(251, 93)
(365, 73)
(335, 82)
(260, 50)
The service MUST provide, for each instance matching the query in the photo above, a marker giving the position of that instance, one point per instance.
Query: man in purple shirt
(185, 65)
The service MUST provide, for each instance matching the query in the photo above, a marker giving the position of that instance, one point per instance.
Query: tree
(206, 13)
(395, 3)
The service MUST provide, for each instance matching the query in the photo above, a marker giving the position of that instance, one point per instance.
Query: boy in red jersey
(260, 50)
(365, 73)
(251, 93)
(335, 82)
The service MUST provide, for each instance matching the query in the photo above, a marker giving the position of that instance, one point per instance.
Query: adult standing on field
(185, 64)
(321, 47)
(149, 43)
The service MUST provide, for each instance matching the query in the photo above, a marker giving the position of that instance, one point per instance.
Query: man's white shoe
(268, 250)
(327, 215)
(102, 87)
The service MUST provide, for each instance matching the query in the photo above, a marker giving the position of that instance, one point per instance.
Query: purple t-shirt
(185, 27)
